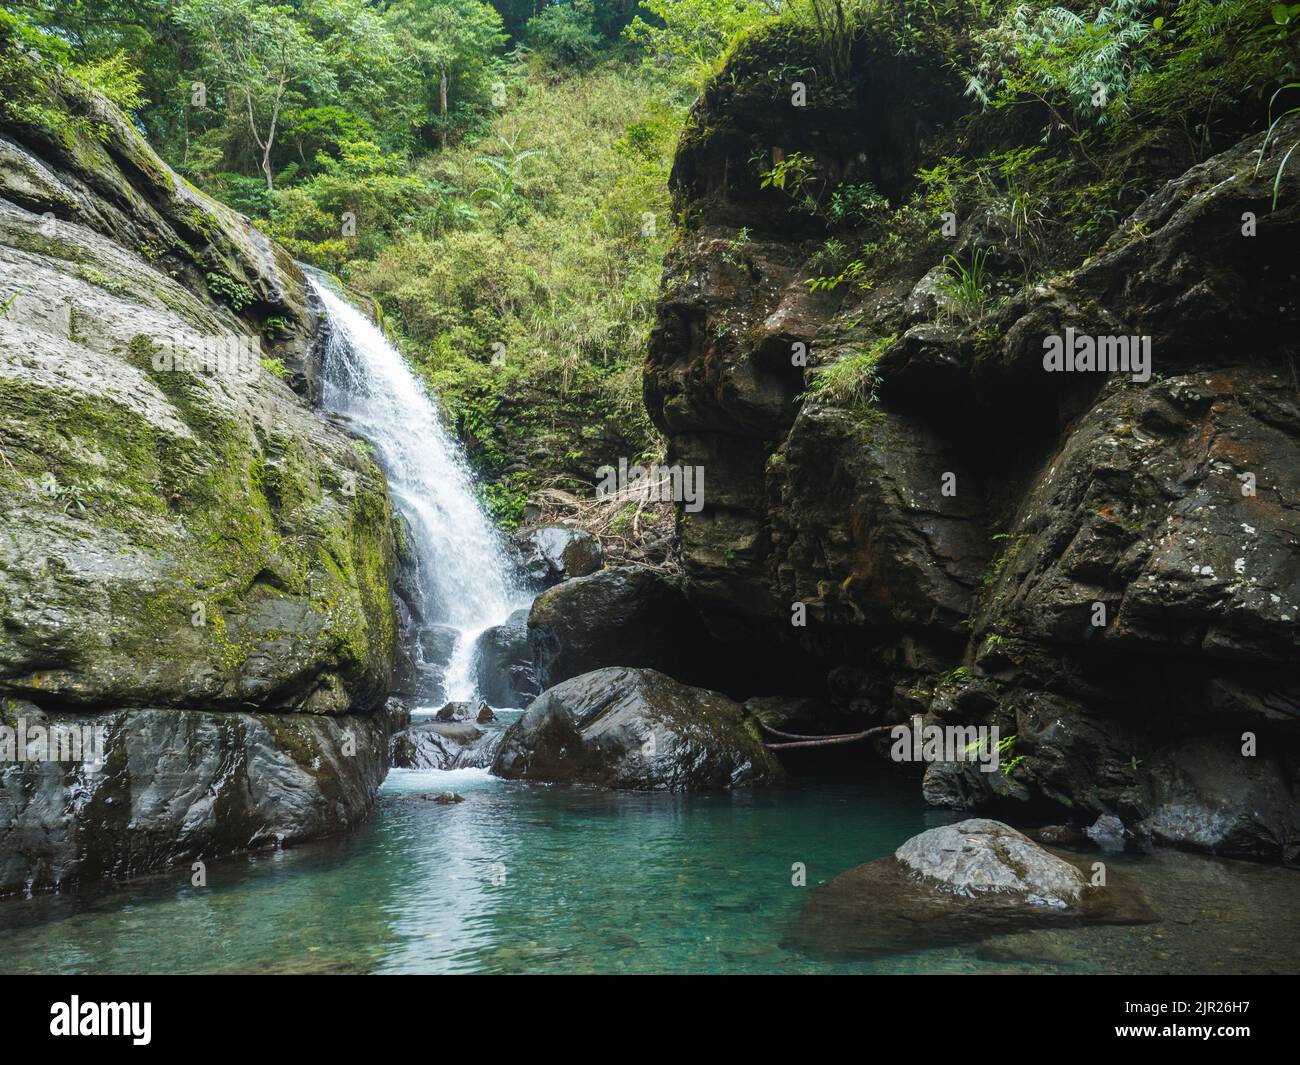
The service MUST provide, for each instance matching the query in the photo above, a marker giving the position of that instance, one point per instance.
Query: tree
(257, 53)
(691, 34)
(455, 42)
(371, 66)
(566, 33)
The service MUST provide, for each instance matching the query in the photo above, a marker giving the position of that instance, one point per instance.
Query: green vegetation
(235, 293)
(851, 380)
(1074, 113)
(998, 566)
(1006, 750)
(1272, 129)
(965, 287)
(685, 39)
(495, 172)
(529, 304)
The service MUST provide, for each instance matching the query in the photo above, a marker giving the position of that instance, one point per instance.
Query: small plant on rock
(965, 288)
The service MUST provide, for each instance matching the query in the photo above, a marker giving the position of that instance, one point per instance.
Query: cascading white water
(461, 575)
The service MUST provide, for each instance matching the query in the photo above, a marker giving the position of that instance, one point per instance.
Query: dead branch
(796, 740)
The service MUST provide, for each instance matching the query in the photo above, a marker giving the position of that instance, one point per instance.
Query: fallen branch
(796, 740)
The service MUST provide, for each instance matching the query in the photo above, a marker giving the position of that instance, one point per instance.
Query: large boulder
(174, 786)
(1208, 796)
(958, 883)
(503, 663)
(625, 616)
(179, 528)
(635, 729)
(180, 533)
(443, 745)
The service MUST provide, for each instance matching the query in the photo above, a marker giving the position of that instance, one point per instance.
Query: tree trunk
(442, 99)
(270, 133)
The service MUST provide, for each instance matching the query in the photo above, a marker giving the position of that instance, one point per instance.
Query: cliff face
(1105, 568)
(189, 555)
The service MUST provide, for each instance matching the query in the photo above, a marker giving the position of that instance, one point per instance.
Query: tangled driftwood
(599, 516)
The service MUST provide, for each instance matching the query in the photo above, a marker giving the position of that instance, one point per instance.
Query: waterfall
(461, 577)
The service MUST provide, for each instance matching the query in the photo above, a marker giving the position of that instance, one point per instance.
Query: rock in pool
(635, 729)
(959, 883)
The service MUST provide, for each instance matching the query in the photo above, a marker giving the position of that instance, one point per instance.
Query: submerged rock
(958, 883)
(442, 798)
(1059, 836)
(635, 729)
(1107, 832)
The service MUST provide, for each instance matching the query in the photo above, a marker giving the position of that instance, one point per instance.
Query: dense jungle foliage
(495, 175)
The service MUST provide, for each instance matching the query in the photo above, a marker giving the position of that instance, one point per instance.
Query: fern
(504, 172)
(1066, 60)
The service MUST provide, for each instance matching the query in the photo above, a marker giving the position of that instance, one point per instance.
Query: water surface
(529, 878)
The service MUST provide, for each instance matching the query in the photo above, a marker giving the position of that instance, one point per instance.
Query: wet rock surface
(464, 711)
(625, 616)
(187, 549)
(444, 745)
(958, 883)
(635, 729)
(1111, 575)
(504, 665)
(549, 554)
(176, 786)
